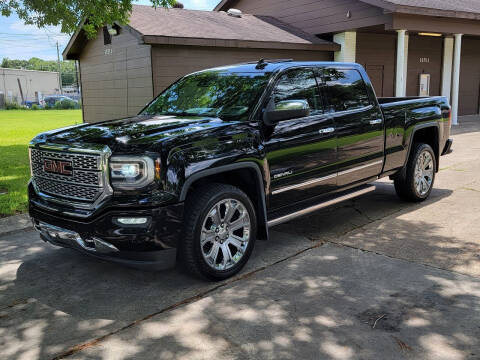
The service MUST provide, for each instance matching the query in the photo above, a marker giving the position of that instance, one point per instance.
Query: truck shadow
(72, 299)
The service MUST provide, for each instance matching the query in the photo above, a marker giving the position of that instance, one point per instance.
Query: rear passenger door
(301, 152)
(359, 125)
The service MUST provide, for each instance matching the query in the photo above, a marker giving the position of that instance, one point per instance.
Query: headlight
(127, 172)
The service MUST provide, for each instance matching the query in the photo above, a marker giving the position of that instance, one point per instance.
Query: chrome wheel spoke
(227, 256)
(424, 185)
(212, 255)
(236, 241)
(427, 164)
(216, 216)
(420, 162)
(231, 207)
(238, 224)
(207, 236)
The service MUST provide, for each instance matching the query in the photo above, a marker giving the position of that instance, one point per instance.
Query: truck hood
(144, 131)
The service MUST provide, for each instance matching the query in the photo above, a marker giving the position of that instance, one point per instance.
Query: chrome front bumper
(63, 237)
(146, 260)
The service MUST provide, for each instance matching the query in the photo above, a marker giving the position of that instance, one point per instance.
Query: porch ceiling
(464, 9)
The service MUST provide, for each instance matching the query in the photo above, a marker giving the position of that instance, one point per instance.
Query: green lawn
(17, 128)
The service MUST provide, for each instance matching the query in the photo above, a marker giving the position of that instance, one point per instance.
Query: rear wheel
(219, 231)
(417, 182)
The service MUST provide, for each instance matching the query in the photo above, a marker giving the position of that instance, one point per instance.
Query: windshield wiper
(179, 113)
(184, 113)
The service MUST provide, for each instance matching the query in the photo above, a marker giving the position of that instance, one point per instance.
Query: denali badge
(286, 173)
(61, 167)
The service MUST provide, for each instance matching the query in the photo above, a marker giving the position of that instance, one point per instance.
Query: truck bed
(401, 114)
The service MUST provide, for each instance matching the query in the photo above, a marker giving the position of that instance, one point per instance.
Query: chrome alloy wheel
(225, 234)
(424, 169)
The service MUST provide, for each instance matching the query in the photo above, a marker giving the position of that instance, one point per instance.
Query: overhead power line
(35, 35)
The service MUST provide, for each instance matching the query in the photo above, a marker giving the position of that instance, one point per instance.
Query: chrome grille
(81, 177)
(85, 184)
(71, 191)
(79, 161)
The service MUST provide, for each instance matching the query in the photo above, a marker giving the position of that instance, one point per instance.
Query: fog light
(132, 221)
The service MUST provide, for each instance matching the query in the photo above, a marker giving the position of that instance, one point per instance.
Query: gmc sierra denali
(222, 155)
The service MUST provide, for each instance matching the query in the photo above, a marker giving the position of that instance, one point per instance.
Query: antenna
(261, 64)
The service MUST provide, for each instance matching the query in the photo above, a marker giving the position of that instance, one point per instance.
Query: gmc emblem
(61, 167)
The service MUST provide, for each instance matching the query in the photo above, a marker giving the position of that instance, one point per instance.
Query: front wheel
(417, 182)
(219, 231)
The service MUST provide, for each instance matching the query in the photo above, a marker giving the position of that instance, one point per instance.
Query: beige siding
(469, 99)
(376, 52)
(420, 47)
(116, 78)
(317, 16)
(173, 62)
(44, 82)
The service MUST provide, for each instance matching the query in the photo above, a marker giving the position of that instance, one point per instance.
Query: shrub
(13, 106)
(65, 104)
(35, 107)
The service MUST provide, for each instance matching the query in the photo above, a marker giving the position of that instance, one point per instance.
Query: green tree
(69, 13)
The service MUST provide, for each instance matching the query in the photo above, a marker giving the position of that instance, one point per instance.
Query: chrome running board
(321, 205)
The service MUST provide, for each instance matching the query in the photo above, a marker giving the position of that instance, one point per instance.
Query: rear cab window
(344, 89)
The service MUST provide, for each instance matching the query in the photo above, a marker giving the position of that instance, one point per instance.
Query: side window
(345, 89)
(299, 84)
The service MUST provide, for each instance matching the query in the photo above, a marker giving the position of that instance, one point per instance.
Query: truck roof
(264, 66)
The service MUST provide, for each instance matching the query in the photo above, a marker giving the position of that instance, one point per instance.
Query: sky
(20, 41)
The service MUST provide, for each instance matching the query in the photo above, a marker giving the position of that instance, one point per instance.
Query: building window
(345, 89)
(107, 38)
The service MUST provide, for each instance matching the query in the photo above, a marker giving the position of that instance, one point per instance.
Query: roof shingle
(210, 28)
(184, 23)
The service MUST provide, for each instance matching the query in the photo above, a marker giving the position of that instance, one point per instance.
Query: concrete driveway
(373, 278)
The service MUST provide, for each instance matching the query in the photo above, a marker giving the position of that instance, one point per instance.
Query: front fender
(258, 177)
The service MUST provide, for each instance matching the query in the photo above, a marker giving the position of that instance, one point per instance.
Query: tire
(202, 225)
(415, 184)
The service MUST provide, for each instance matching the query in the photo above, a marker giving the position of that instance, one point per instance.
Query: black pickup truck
(222, 155)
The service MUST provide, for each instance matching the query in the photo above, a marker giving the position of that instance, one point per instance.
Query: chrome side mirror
(285, 110)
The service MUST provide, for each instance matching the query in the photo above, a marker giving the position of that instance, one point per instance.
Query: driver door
(301, 152)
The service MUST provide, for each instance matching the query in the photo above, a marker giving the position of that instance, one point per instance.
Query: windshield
(223, 94)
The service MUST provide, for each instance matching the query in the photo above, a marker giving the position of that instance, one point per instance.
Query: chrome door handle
(326, 130)
(376, 122)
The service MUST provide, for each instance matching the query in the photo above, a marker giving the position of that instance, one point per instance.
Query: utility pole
(59, 71)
